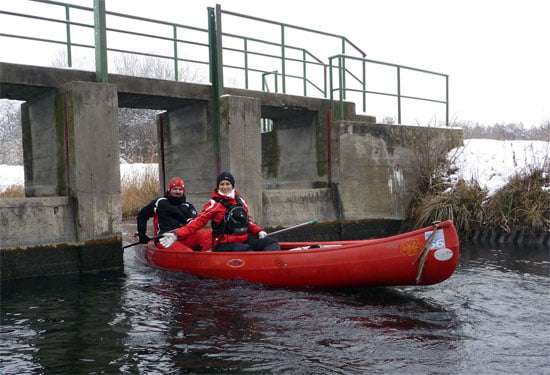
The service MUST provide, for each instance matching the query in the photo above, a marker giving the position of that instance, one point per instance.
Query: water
(490, 317)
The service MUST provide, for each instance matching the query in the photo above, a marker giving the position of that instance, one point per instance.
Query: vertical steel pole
(246, 63)
(68, 27)
(447, 100)
(364, 84)
(283, 60)
(219, 48)
(399, 95)
(100, 27)
(176, 69)
(214, 80)
(344, 68)
(340, 85)
(304, 57)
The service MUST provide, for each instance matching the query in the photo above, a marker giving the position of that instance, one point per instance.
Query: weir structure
(318, 159)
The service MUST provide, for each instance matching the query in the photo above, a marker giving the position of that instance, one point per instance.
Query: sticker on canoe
(411, 247)
(235, 263)
(443, 254)
(438, 241)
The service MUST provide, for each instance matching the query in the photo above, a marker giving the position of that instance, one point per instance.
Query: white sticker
(443, 254)
(438, 241)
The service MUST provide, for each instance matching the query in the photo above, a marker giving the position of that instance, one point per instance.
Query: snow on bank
(488, 161)
(491, 163)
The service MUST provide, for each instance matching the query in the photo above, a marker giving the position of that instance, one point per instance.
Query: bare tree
(11, 148)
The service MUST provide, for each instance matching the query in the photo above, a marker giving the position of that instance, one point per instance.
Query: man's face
(177, 192)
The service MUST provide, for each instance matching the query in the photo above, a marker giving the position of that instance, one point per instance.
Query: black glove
(143, 238)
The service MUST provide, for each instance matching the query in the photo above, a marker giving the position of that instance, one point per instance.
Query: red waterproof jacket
(215, 211)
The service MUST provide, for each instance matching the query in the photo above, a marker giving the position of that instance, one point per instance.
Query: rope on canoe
(423, 254)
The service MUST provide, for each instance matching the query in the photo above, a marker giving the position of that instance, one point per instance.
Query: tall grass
(523, 201)
(137, 190)
(13, 191)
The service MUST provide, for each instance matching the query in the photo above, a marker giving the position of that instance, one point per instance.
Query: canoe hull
(396, 260)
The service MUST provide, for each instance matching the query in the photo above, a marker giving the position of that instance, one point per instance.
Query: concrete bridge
(309, 166)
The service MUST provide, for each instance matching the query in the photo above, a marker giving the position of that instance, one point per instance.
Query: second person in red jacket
(232, 228)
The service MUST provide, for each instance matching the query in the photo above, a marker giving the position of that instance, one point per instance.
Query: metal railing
(183, 38)
(341, 88)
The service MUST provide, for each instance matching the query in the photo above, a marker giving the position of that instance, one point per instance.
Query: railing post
(304, 57)
(343, 61)
(101, 71)
(447, 100)
(68, 27)
(246, 63)
(215, 81)
(399, 95)
(341, 76)
(364, 84)
(219, 47)
(176, 70)
(283, 69)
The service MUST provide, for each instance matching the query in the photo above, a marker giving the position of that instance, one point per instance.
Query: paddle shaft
(152, 238)
(292, 227)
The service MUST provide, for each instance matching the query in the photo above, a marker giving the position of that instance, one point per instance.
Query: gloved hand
(143, 238)
(168, 239)
(262, 234)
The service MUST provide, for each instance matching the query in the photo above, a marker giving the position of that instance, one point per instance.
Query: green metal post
(447, 100)
(304, 57)
(219, 48)
(331, 97)
(399, 95)
(68, 27)
(101, 71)
(176, 69)
(214, 80)
(340, 85)
(364, 84)
(245, 63)
(343, 65)
(283, 60)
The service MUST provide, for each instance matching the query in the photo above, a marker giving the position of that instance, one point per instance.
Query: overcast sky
(496, 52)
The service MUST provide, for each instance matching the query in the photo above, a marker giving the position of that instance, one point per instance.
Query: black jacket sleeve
(145, 214)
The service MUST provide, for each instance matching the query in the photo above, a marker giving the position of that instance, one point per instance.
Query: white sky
(496, 52)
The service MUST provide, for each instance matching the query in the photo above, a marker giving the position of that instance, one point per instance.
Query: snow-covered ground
(490, 162)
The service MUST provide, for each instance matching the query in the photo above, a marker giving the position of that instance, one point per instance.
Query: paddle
(293, 227)
(137, 243)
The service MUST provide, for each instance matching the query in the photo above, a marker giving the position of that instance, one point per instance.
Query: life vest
(235, 219)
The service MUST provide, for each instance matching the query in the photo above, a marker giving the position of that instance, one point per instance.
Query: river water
(490, 317)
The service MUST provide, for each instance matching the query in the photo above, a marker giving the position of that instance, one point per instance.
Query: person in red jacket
(169, 213)
(230, 221)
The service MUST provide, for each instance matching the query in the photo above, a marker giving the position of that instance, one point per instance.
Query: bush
(462, 203)
(525, 200)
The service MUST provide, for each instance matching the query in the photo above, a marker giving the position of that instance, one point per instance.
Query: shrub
(524, 200)
(462, 203)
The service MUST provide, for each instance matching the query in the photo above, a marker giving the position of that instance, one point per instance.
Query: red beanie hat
(176, 182)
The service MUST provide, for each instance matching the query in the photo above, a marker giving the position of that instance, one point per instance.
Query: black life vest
(235, 219)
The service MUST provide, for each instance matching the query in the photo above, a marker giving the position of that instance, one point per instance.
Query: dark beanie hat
(225, 176)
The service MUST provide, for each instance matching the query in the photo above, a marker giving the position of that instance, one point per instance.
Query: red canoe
(420, 257)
